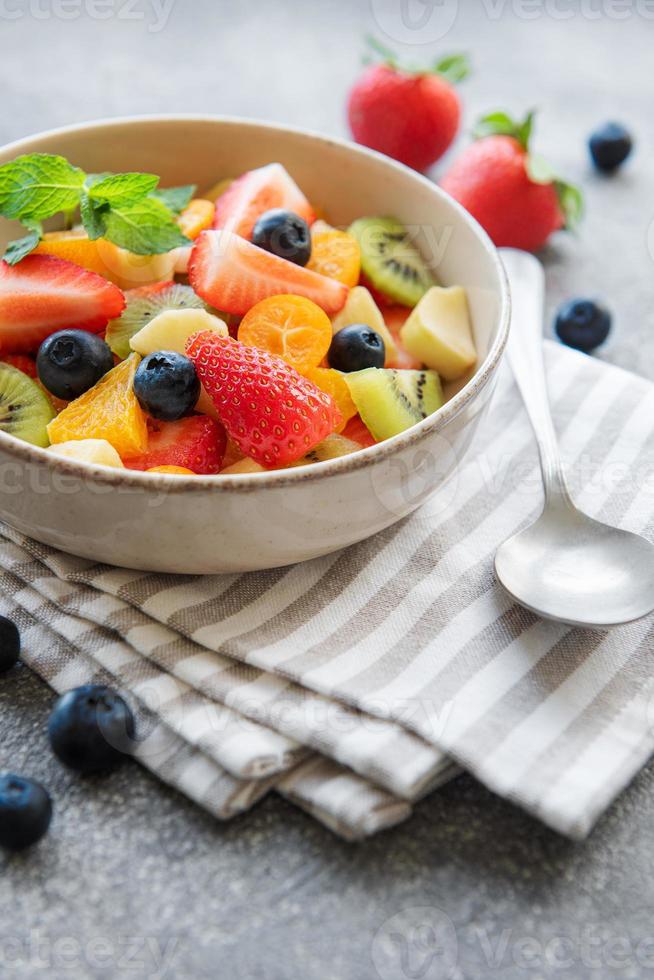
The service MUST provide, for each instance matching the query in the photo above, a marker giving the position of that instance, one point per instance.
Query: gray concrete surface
(134, 881)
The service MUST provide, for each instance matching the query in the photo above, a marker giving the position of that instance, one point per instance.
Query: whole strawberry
(271, 412)
(410, 114)
(514, 194)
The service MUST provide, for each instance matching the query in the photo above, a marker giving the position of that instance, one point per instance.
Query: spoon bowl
(565, 566)
(568, 567)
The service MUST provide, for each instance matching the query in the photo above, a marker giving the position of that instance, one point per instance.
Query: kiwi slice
(143, 304)
(330, 448)
(391, 261)
(390, 401)
(25, 409)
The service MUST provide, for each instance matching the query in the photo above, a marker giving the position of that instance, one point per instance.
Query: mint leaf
(453, 68)
(118, 189)
(92, 214)
(38, 185)
(175, 198)
(18, 249)
(145, 228)
(571, 201)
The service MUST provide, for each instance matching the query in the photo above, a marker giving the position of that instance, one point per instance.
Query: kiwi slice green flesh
(142, 306)
(332, 447)
(391, 261)
(25, 409)
(390, 401)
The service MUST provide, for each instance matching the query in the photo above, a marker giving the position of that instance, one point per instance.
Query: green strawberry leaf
(538, 169)
(118, 189)
(38, 185)
(500, 123)
(145, 228)
(388, 57)
(175, 198)
(571, 202)
(21, 247)
(453, 68)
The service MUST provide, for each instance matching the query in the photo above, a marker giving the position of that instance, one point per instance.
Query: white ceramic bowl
(237, 523)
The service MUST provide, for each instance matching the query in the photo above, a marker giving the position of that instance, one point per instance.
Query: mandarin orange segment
(109, 410)
(292, 327)
(177, 470)
(77, 247)
(335, 254)
(196, 217)
(331, 381)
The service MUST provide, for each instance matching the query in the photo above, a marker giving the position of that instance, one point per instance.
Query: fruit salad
(232, 332)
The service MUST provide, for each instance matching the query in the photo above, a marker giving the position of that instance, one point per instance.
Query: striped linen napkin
(347, 804)
(400, 658)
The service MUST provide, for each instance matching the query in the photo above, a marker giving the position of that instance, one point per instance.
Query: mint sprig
(538, 169)
(38, 185)
(127, 209)
(175, 198)
(18, 249)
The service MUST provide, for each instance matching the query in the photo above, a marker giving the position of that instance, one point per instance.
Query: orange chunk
(290, 326)
(335, 254)
(196, 217)
(180, 470)
(109, 410)
(77, 247)
(331, 381)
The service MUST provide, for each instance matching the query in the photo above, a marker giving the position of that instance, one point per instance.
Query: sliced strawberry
(243, 203)
(43, 294)
(196, 443)
(23, 362)
(272, 413)
(233, 275)
(357, 431)
(395, 317)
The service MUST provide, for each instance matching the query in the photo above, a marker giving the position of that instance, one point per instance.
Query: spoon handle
(525, 353)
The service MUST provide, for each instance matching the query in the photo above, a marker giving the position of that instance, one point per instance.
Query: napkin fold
(357, 682)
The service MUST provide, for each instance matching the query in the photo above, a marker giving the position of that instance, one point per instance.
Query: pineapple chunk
(438, 332)
(360, 307)
(170, 330)
(89, 451)
(129, 270)
(243, 466)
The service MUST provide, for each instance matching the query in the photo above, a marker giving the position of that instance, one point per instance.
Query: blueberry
(91, 728)
(72, 361)
(609, 146)
(25, 812)
(355, 348)
(167, 385)
(583, 324)
(9, 644)
(284, 234)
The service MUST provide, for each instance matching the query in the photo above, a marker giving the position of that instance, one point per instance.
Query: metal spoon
(565, 566)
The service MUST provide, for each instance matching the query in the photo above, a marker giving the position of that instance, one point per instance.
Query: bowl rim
(156, 482)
